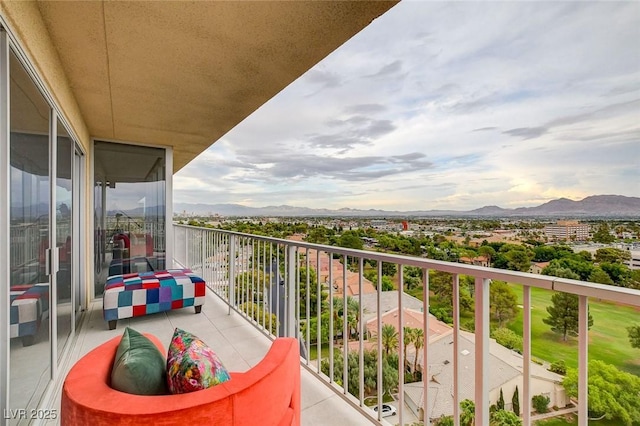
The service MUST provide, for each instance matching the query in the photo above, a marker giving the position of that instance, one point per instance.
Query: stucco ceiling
(183, 74)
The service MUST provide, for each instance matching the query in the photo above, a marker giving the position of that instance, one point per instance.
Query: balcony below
(239, 345)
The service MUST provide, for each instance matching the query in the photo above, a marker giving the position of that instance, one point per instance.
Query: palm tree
(353, 312)
(418, 343)
(389, 338)
(407, 340)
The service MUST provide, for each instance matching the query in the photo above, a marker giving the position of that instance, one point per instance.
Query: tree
(612, 255)
(418, 343)
(505, 418)
(389, 269)
(318, 235)
(312, 325)
(634, 336)
(600, 276)
(540, 403)
(412, 276)
(487, 251)
(441, 283)
(602, 235)
(313, 293)
(407, 340)
(518, 258)
(353, 314)
(370, 372)
(350, 239)
(444, 421)
(555, 269)
(618, 272)
(257, 312)
(503, 302)
(548, 253)
(500, 403)
(563, 315)
(467, 412)
(613, 394)
(387, 283)
(389, 338)
(515, 402)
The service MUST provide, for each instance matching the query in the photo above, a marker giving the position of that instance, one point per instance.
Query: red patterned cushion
(192, 365)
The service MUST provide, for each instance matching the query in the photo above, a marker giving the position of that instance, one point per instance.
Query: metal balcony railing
(261, 279)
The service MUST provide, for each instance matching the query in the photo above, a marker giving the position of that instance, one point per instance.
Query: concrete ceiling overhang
(183, 74)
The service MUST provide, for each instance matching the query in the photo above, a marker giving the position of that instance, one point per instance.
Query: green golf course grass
(608, 338)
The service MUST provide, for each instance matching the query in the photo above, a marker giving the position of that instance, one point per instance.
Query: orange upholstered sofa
(267, 394)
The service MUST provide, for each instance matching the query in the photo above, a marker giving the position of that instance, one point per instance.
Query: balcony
(258, 290)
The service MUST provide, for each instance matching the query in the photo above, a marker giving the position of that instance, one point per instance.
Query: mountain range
(593, 206)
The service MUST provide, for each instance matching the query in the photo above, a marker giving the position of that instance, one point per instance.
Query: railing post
(203, 234)
(232, 272)
(583, 372)
(425, 349)
(526, 353)
(456, 350)
(290, 320)
(482, 351)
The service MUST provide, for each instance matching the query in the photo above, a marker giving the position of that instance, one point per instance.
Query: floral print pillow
(192, 365)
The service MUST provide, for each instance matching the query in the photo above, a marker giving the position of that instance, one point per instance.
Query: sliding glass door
(64, 234)
(30, 239)
(43, 265)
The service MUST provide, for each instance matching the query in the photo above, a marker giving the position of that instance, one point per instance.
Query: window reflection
(29, 205)
(64, 234)
(130, 210)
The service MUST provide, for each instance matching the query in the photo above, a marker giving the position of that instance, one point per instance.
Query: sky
(446, 105)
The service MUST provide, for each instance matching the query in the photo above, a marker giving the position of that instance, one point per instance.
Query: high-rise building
(567, 230)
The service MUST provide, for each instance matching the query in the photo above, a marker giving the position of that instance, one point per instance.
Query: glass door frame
(9, 44)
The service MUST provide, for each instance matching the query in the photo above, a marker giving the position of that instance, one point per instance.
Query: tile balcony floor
(239, 345)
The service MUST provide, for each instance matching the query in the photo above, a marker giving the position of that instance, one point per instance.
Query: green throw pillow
(139, 367)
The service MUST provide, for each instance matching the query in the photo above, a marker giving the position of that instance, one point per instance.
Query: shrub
(443, 314)
(540, 403)
(508, 339)
(559, 367)
(444, 421)
(505, 418)
(515, 401)
(469, 325)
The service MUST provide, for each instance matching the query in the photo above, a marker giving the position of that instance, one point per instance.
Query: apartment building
(567, 230)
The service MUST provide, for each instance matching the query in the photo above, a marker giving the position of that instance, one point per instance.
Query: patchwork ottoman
(29, 304)
(137, 294)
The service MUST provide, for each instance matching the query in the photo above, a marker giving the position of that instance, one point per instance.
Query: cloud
(307, 166)
(408, 120)
(323, 78)
(365, 109)
(599, 114)
(355, 130)
(527, 132)
(388, 70)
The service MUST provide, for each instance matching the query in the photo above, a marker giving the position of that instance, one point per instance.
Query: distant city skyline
(446, 105)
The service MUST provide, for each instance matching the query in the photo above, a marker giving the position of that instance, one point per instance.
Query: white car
(387, 410)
